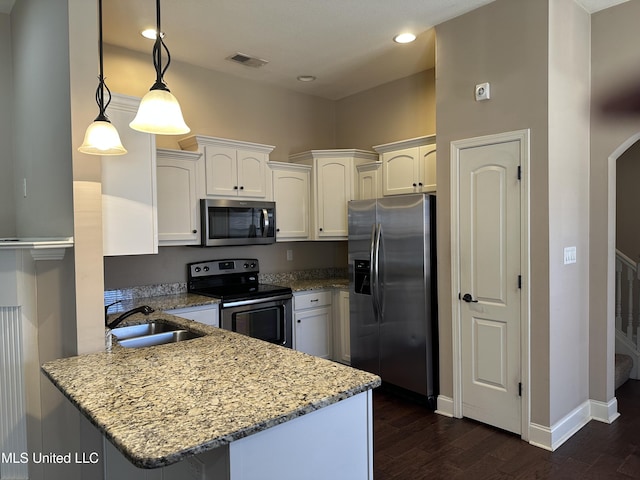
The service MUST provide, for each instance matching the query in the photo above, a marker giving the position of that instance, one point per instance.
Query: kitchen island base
(334, 442)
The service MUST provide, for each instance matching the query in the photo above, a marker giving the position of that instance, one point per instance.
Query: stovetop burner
(230, 279)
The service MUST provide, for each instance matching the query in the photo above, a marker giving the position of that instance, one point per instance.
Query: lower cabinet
(207, 314)
(313, 323)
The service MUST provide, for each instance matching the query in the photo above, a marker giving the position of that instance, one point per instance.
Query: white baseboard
(561, 431)
(605, 412)
(444, 406)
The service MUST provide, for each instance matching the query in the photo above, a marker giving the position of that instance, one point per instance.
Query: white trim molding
(444, 406)
(550, 438)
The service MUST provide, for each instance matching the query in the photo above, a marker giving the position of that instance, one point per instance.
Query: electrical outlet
(289, 255)
(570, 255)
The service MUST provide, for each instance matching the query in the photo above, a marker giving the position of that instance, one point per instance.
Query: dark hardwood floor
(413, 443)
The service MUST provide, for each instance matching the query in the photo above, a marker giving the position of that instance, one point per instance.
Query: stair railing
(627, 270)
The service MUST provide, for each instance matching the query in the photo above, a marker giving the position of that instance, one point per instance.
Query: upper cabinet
(129, 219)
(332, 183)
(408, 166)
(230, 168)
(369, 181)
(178, 218)
(291, 192)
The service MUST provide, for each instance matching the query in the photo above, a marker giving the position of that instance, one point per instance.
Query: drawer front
(312, 300)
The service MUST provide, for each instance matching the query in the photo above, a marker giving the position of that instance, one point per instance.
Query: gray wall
(169, 265)
(7, 204)
(41, 115)
(615, 58)
(504, 43)
(397, 110)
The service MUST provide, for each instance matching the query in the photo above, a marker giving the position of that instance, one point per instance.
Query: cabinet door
(129, 215)
(369, 181)
(177, 198)
(252, 179)
(400, 171)
(313, 331)
(221, 171)
(334, 189)
(428, 168)
(342, 338)
(291, 194)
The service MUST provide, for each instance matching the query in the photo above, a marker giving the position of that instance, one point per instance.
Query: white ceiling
(346, 44)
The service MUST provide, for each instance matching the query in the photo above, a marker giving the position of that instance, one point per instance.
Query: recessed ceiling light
(306, 78)
(404, 38)
(150, 33)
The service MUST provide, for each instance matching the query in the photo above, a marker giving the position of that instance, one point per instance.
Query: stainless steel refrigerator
(393, 313)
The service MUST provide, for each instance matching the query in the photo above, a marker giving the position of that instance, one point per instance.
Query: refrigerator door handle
(379, 285)
(372, 269)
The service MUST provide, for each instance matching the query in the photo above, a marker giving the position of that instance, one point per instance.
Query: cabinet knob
(235, 187)
(241, 187)
(194, 231)
(277, 229)
(420, 184)
(320, 228)
(415, 185)
(299, 321)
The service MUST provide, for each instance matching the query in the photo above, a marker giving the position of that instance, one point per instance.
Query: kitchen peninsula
(246, 409)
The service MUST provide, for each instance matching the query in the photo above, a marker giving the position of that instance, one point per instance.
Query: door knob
(468, 298)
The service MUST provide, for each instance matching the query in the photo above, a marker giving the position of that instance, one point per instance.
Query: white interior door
(490, 284)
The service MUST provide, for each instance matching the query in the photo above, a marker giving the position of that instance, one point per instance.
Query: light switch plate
(569, 255)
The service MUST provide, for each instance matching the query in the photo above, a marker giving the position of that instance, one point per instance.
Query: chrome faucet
(146, 309)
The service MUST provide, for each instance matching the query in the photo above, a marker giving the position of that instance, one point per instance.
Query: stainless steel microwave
(237, 222)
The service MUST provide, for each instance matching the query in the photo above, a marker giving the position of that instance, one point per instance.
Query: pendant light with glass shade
(159, 110)
(101, 137)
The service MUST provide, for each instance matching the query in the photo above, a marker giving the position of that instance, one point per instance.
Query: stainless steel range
(246, 306)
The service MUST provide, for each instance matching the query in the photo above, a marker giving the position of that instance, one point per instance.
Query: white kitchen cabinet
(313, 323)
(369, 181)
(408, 166)
(291, 192)
(129, 218)
(333, 173)
(178, 210)
(231, 168)
(342, 337)
(207, 314)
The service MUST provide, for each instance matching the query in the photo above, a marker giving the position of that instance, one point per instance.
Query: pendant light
(159, 110)
(101, 137)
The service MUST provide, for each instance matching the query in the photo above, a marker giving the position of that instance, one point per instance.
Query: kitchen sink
(158, 339)
(150, 334)
(150, 328)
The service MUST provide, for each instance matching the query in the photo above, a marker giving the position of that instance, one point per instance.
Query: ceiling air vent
(247, 60)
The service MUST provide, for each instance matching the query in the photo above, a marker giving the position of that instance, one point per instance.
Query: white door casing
(490, 251)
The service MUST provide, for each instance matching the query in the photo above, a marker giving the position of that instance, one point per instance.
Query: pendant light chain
(102, 86)
(157, 53)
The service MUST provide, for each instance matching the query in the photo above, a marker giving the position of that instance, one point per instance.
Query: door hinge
(519, 389)
(519, 172)
(519, 281)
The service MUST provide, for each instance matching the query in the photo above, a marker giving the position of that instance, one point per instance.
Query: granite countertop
(160, 404)
(162, 302)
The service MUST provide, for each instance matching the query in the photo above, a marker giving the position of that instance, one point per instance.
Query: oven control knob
(246, 265)
(197, 269)
(253, 264)
(205, 268)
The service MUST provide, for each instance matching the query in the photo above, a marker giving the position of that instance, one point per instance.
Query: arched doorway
(620, 263)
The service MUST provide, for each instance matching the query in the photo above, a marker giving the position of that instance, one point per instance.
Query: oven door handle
(253, 301)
